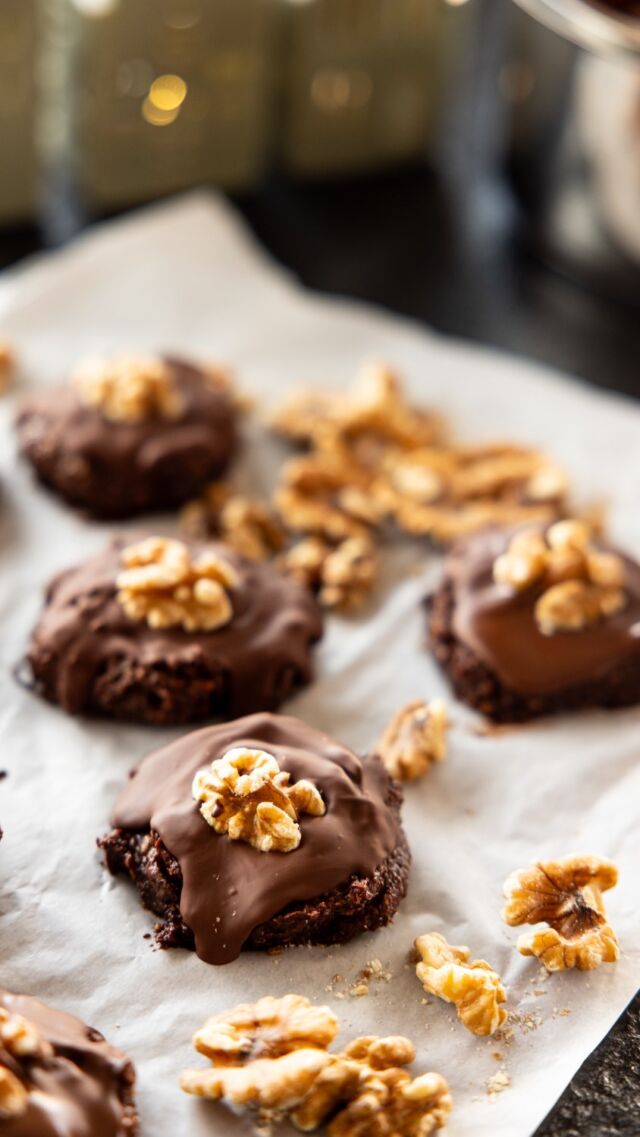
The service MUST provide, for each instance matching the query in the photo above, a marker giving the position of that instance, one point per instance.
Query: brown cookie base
(129, 690)
(103, 493)
(477, 685)
(361, 904)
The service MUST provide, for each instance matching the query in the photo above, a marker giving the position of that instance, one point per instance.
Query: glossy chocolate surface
(229, 887)
(499, 625)
(275, 621)
(82, 1090)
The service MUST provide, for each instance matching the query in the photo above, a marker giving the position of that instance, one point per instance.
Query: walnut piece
(19, 1038)
(7, 365)
(415, 738)
(162, 583)
(365, 1092)
(342, 575)
(264, 1056)
(375, 408)
(272, 1058)
(14, 1097)
(326, 493)
(128, 388)
(474, 987)
(246, 795)
(449, 492)
(248, 526)
(583, 584)
(566, 897)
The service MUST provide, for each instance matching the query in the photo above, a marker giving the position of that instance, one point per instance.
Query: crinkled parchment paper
(186, 277)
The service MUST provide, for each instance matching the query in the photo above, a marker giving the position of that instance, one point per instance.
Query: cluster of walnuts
(161, 583)
(272, 1058)
(581, 583)
(128, 388)
(371, 457)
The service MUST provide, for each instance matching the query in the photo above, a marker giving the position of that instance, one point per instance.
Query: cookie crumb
(498, 1082)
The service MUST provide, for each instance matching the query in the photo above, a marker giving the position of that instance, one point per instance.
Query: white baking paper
(187, 277)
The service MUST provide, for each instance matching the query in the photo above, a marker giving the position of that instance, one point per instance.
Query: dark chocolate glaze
(83, 1090)
(229, 888)
(83, 628)
(118, 469)
(499, 626)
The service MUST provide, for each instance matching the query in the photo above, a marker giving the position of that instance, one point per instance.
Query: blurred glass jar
(572, 82)
(17, 104)
(145, 97)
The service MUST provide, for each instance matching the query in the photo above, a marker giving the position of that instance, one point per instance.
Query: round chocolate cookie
(104, 650)
(145, 435)
(58, 1077)
(220, 894)
(500, 659)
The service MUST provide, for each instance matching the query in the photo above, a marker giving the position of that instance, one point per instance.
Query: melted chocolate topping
(229, 888)
(499, 625)
(275, 620)
(84, 1090)
(146, 456)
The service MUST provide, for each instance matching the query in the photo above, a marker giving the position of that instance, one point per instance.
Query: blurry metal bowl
(572, 82)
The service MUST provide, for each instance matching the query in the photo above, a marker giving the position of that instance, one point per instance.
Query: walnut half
(473, 986)
(164, 585)
(246, 525)
(272, 1058)
(128, 388)
(246, 795)
(342, 575)
(415, 738)
(19, 1038)
(265, 1057)
(566, 897)
(581, 583)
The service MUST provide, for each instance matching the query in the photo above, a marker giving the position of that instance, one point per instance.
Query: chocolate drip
(499, 625)
(229, 888)
(83, 1090)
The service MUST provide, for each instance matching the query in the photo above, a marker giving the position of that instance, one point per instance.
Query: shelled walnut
(374, 412)
(446, 493)
(271, 1058)
(128, 388)
(342, 575)
(162, 583)
(473, 986)
(415, 738)
(245, 524)
(566, 898)
(19, 1039)
(326, 493)
(582, 584)
(366, 1092)
(246, 795)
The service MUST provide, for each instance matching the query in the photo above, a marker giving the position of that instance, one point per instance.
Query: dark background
(449, 250)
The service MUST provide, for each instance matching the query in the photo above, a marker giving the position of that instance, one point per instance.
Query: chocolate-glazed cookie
(221, 895)
(89, 655)
(58, 1077)
(115, 458)
(500, 660)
